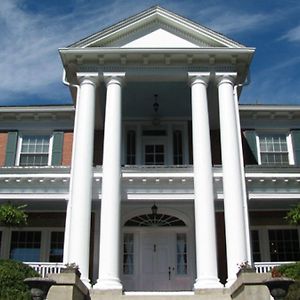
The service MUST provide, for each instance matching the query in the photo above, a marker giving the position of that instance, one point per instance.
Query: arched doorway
(156, 253)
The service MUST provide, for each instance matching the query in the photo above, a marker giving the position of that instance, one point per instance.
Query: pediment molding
(157, 17)
(148, 28)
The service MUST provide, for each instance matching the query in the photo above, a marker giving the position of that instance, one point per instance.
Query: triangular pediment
(157, 28)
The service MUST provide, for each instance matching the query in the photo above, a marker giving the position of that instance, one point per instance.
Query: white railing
(265, 267)
(44, 268)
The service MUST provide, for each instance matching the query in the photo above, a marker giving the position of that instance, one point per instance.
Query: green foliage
(11, 215)
(293, 215)
(12, 274)
(292, 271)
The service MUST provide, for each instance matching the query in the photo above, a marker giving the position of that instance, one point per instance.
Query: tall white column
(236, 245)
(109, 262)
(205, 231)
(81, 175)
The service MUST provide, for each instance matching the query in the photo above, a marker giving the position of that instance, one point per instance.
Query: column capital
(198, 77)
(225, 77)
(114, 77)
(88, 78)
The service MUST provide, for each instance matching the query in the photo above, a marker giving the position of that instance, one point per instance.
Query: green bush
(12, 274)
(292, 271)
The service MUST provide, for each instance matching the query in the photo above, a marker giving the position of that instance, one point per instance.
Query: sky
(31, 32)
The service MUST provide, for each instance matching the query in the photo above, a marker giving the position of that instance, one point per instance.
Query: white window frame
(289, 142)
(20, 141)
(168, 126)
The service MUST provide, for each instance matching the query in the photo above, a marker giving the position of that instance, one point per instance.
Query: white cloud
(292, 35)
(29, 60)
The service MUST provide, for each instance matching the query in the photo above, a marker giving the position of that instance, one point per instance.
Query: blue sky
(31, 31)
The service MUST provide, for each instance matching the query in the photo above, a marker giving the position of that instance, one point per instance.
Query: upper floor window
(34, 150)
(275, 149)
(130, 157)
(177, 148)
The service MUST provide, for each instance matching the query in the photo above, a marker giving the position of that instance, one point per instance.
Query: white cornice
(36, 109)
(269, 108)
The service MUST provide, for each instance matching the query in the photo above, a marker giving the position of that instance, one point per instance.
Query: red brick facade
(67, 149)
(3, 141)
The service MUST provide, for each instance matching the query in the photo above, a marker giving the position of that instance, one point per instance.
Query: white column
(236, 245)
(67, 232)
(81, 175)
(109, 262)
(205, 231)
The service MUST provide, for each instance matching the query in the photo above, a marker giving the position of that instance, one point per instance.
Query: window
(25, 245)
(255, 245)
(284, 244)
(56, 246)
(274, 149)
(177, 147)
(181, 250)
(130, 159)
(154, 154)
(34, 150)
(128, 254)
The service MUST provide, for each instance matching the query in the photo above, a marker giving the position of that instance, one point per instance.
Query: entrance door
(157, 261)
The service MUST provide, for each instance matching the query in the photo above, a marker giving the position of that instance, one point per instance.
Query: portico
(100, 75)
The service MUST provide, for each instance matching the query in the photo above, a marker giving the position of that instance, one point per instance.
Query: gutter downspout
(69, 204)
(245, 198)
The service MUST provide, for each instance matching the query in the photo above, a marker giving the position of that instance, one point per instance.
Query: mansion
(156, 178)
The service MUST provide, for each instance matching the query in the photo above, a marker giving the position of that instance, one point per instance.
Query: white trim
(290, 148)
(288, 137)
(63, 196)
(273, 196)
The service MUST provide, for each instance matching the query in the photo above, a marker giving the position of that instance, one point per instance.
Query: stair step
(202, 295)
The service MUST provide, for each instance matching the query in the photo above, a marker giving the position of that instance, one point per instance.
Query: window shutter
(296, 145)
(250, 136)
(11, 148)
(57, 147)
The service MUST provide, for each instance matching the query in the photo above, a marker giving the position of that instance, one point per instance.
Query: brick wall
(67, 149)
(3, 141)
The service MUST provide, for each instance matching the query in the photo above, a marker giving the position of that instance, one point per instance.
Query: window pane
(273, 149)
(130, 147)
(34, 150)
(255, 245)
(128, 254)
(284, 245)
(25, 246)
(181, 249)
(56, 247)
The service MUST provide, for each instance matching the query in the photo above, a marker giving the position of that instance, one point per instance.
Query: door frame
(134, 282)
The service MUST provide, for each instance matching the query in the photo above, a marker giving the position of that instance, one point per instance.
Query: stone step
(220, 294)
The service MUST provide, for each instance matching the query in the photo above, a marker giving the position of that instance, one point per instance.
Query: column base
(207, 283)
(86, 282)
(230, 282)
(109, 284)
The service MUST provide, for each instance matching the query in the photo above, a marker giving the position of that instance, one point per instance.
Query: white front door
(157, 261)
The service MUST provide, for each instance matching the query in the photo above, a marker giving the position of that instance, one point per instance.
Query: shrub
(12, 274)
(293, 215)
(12, 215)
(291, 271)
